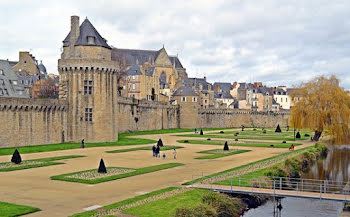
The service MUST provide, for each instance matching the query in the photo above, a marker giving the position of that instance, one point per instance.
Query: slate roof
(133, 70)
(8, 87)
(223, 95)
(194, 82)
(87, 29)
(223, 86)
(133, 56)
(185, 91)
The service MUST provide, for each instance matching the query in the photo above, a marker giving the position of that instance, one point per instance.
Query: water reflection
(335, 167)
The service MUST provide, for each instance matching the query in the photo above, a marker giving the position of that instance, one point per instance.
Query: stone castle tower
(88, 81)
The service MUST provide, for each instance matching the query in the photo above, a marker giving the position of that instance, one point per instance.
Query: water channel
(334, 168)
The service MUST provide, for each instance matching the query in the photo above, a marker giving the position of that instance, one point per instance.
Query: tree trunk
(317, 135)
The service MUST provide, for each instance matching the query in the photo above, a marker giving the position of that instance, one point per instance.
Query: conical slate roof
(88, 30)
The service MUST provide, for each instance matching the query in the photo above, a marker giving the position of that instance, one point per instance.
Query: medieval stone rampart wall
(32, 121)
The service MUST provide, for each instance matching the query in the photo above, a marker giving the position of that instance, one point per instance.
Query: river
(334, 168)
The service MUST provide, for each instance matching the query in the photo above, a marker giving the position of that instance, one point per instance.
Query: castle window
(88, 114)
(91, 39)
(87, 87)
(194, 99)
(1, 72)
(133, 86)
(183, 99)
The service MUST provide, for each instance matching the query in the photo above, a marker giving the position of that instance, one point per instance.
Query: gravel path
(93, 174)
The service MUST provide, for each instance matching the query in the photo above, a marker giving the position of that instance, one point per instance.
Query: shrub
(236, 139)
(102, 167)
(201, 133)
(185, 141)
(278, 129)
(293, 167)
(209, 139)
(160, 143)
(284, 142)
(272, 145)
(16, 157)
(307, 135)
(222, 132)
(226, 148)
(224, 205)
(298, 135)
(254, 129)
(264, 131)
(276, 171)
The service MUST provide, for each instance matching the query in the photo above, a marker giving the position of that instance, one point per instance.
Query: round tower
(88, 81)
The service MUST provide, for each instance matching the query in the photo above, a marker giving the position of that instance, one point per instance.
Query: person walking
(83, 143)
(157, 151)
(174, 153)
(154, 150)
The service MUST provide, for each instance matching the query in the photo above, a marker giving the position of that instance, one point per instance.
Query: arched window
(162, 81)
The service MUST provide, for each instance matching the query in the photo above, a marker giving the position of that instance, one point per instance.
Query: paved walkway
(33, 187)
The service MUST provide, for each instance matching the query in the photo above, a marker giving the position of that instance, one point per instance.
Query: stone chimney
(74, 29)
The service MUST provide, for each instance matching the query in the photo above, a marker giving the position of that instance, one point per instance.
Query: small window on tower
(87, 87)
(88, 114)
(91, 39)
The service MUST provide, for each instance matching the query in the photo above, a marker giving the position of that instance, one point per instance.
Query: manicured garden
(253, 134)
(247, 168)
(82, 176)
(148, 148)
(218, 153)
(11, 209)
(238, 143)
(34, 163)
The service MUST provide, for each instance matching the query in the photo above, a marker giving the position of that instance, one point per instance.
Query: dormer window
(91, 39)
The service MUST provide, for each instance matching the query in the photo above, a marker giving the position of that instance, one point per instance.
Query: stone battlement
(18, 104)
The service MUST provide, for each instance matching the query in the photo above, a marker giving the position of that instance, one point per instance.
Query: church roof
(133, 56)
(133, 70)
(87, 30)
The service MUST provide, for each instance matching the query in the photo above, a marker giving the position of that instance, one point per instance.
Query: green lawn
(215, 153)
(233, 143)
(138, 171)
(123, 140)
(43, 163)
(148, 148)
(255, 137)
(167, 206)
(10, 209)
(246, 165)
(126, 202)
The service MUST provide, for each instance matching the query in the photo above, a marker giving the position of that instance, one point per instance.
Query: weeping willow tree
(322, 105)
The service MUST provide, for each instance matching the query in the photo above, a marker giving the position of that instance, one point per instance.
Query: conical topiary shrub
(278, 129)
(298, 135)
(160, 143)
(242, 128)
(201, 133)
(102, 167)
(226, 147)
(16, 157)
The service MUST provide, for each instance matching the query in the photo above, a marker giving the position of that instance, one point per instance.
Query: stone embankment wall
(32, 121)
(138, 115)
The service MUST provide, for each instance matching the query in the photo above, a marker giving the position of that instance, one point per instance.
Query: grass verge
(43, 162)
(245, 144)
(211, 155)
(125, 202)
(149, 148)
(139, 171)
(11, 209)
(168, 206)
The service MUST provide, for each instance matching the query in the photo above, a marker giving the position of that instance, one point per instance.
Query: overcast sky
(278, 42)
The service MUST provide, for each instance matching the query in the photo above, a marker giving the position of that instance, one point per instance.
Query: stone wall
(236, 118)
(32, 121)
(138, 115)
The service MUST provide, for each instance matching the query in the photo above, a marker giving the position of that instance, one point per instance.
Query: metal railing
(280, 184)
